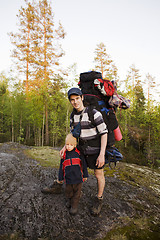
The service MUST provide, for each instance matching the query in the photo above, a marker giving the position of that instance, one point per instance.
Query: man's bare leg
(98, 200)
(99, 173)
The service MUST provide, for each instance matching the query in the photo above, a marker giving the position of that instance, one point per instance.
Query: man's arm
(61, 153)
(101, 158)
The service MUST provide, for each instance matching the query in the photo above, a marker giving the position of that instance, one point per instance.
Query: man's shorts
(91, 161)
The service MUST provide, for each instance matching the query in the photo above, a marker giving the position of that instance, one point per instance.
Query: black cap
(74, 91)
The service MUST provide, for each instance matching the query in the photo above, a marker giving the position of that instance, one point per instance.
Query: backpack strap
(91, 115)
(74, 112)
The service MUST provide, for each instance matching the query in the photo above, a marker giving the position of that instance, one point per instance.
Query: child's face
(69, 147)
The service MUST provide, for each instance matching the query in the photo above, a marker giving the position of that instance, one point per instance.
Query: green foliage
(139, 124)
(37, 50)
(22, 117)
(2, 89)
(59, 121)
(3, 84)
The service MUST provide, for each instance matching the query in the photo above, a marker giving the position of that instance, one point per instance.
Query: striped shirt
(88, 130)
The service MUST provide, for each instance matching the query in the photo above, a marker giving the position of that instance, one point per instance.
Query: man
(92, 141)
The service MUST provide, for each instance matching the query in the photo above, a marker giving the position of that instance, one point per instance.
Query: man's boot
(97, 205)
(55, 188)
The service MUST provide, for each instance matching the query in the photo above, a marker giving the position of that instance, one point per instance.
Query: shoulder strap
(74, 112)
(90, 114)
(82, 113)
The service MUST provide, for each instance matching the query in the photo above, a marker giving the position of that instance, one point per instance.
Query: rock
(32, 215)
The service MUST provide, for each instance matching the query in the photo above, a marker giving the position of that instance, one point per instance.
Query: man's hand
(101, 158)
(61, 153)
(100, 161)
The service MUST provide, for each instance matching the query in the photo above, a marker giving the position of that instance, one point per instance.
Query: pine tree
(133, 77)
(104, 63)
(37, 52)
(48, 55)
(46, 43)
(22, 41)
(150, 81)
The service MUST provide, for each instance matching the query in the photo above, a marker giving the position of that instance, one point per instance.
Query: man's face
(77, 102)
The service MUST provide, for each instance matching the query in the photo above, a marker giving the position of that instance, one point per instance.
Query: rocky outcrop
(28, 214)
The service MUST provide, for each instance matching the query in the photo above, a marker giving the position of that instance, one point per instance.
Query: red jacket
(73, 167)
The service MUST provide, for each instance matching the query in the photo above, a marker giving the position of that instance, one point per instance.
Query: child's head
(71, 142)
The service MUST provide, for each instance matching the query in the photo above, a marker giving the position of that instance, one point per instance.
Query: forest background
(33, 95)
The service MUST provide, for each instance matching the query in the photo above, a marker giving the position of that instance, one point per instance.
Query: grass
(46, 156)
(135, 229)
(136, 175)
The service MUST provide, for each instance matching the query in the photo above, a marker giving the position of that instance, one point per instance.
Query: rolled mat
(117, 134)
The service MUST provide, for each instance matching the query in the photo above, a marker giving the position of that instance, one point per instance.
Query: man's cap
(74, 91)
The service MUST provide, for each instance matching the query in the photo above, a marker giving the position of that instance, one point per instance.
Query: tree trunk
(67, 121)
(12, 123)
(149, 143)
(46, 125)
(43, 127)
(53, 139)
(12, 129)
(39, 136)
(125, 141)
(20, 128)
(27, 137)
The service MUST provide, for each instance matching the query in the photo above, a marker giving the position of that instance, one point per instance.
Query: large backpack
(97, 92)
(95, 89)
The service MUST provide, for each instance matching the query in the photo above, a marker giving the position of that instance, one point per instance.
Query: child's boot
(73, 211)
(68, 202)
(74, 205)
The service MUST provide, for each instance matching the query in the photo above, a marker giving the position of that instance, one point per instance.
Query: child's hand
(59, 181)
(84, 179)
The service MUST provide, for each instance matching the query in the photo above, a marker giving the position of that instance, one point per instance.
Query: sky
(128, 28)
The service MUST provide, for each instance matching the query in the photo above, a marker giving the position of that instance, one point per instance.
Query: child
(73, 171)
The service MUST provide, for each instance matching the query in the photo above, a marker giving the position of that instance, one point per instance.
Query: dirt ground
(28, 214)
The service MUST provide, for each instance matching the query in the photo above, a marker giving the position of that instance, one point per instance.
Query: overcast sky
(128, 28)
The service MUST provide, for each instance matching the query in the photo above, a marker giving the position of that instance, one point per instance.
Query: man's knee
(99, 173)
